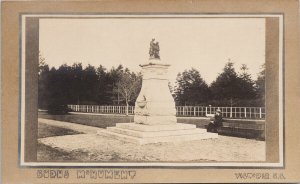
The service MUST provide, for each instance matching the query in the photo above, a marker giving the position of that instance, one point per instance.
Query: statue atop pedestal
(155, 112)
(155, 104)
(154, 49)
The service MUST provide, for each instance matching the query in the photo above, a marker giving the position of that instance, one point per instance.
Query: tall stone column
(155, 104)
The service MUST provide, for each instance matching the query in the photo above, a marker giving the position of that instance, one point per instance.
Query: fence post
(230, 112)
(205, 111)
(194, 111)
(245, 112)
(250, 112)
(260, 112)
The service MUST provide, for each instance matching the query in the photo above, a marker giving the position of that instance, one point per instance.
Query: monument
(155, 113)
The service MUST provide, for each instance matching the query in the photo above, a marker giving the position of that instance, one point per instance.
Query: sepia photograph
(150, 91)
(161, 90)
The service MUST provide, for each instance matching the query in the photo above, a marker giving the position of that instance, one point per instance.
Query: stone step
(117, 136)
(156, 133)
(153, 128)
(148, 140)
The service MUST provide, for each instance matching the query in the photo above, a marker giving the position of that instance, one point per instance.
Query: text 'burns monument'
(155, 113)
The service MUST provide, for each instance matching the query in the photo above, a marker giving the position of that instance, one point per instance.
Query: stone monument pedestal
(155, 113)
(145, 134)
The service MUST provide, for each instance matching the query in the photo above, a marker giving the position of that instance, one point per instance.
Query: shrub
(58, 109)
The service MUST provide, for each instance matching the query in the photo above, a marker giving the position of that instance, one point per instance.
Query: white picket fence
(101, 109)
(187, 111)
(227, 112)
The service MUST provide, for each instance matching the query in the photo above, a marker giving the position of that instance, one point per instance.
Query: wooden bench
(242, 129)
(251, 133)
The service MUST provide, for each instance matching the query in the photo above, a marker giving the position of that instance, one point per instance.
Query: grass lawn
(50, 131)
(103, 121)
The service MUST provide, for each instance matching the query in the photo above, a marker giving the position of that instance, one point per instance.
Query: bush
(58, 109)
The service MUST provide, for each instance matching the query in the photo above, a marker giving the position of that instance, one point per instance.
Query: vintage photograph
(184, 91)
(150, 90)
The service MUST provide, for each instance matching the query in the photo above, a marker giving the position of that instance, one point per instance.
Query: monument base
(145, 134)
(155, 120)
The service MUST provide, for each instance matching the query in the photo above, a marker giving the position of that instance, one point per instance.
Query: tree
(191, 89)
(89, 85)
(260, 85)
(247, 89)
(233, 89)
(77, 83)
(128, 87)
(43, 75)
(58, 94)
(42, 64)
(114, 77)
(103, 96)
(225, 89)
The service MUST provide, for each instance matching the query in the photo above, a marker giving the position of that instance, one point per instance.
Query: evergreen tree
(102, 95)
(260, 86)
(191, 89)
(225, 89)
(90, 79)
(232, 89)
(77, 83)
(43, 90)
(247, 89)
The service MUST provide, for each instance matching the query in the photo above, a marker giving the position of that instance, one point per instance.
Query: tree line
(229, 89)
(119, 86)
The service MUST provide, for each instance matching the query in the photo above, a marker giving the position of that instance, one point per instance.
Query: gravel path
(99, 148)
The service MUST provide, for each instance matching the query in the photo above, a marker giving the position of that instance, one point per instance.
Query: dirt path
(99, 148)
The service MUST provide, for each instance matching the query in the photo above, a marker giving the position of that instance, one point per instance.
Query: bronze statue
(154, 50)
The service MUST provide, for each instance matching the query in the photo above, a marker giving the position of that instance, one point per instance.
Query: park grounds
(73, 138)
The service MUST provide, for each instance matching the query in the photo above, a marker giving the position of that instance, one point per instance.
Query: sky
(205, 44)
